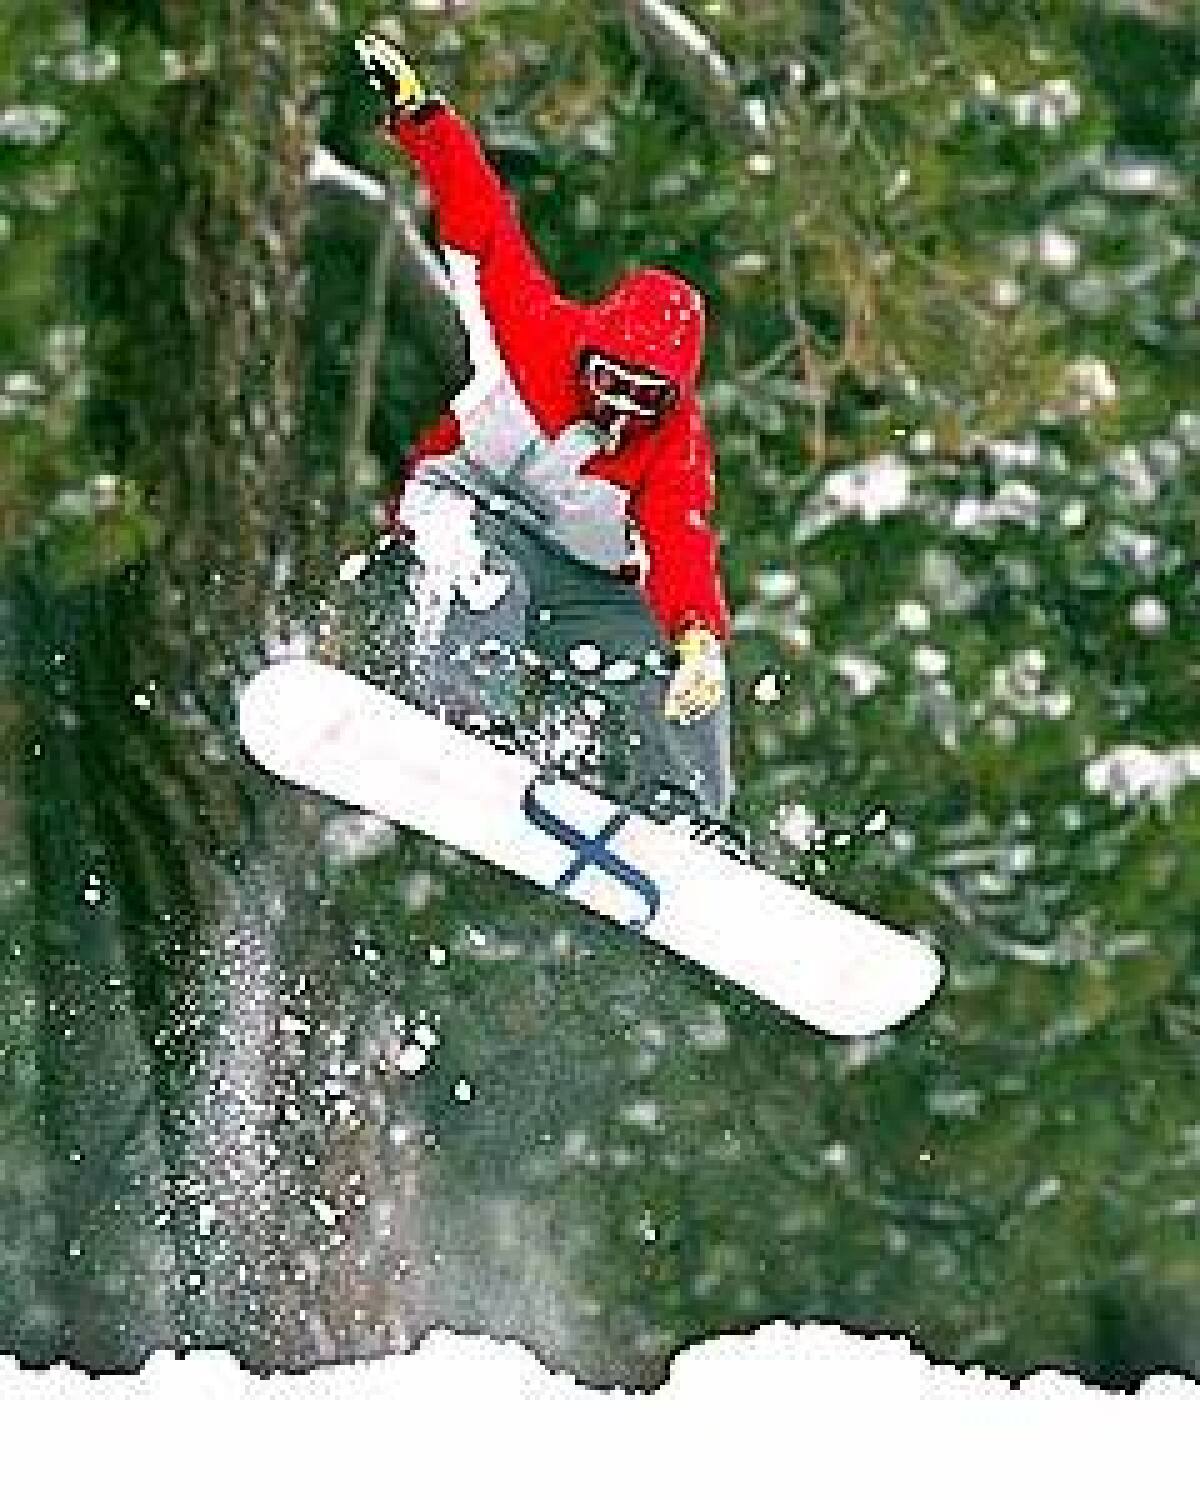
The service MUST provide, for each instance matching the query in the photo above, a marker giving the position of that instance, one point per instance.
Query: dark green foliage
(262, 1088)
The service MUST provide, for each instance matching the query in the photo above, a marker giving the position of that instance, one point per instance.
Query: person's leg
(703, 748)
(601, 629)
(466, 622)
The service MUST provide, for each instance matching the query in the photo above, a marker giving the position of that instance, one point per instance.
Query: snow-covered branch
(418, 275)
(664, 31)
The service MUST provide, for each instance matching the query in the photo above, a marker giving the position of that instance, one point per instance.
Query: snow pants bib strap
(578, 512)
(541, 477)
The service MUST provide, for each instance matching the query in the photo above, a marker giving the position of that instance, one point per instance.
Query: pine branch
(415, 274)
(370, 345)
(678, 43)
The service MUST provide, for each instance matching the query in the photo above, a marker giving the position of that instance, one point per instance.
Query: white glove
(698, 684)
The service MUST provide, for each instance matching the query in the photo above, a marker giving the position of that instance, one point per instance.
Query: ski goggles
(624, 389)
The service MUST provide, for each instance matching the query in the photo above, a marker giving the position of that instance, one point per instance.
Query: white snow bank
(783, 1411)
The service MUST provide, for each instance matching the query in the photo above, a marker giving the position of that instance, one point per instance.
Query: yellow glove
(390, 73)
(698, 684)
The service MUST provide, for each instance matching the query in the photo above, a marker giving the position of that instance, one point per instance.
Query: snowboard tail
(828, 966)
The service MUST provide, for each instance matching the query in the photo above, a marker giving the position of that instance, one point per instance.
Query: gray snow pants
(561, 615)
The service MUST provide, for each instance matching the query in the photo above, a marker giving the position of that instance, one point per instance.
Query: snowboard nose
(280, 720)
(877, 975)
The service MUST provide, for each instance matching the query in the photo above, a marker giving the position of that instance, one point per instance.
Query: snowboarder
(560, 510)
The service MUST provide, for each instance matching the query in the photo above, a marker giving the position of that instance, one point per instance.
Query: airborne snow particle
(766, 689)
(326, 1214)
(877, 822)
(463, 1091)
(585, 657)
(797, 825)
(411, 1059)
(437, 956)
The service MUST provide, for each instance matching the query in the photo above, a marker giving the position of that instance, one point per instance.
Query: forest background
(277, 1079)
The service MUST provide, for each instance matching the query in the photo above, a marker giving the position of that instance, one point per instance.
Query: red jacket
(652, 318)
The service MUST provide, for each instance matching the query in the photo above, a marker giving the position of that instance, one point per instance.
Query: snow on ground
(782, 1411)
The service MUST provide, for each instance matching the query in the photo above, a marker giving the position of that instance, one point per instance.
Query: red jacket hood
(653, 319)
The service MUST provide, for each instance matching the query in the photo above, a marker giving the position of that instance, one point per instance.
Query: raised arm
(497, 278)
(473, 211)
(474, 214)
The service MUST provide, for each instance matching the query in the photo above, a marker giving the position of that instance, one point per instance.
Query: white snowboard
(829, 967)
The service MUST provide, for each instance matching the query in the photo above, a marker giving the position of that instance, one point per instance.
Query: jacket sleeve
(673, 510)
(475, 216)
(472, 210)
(440, 437)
